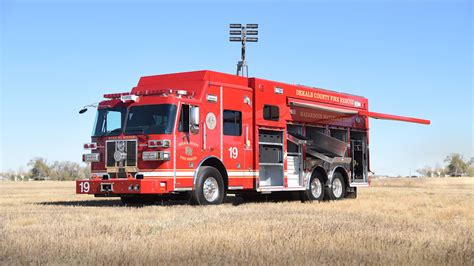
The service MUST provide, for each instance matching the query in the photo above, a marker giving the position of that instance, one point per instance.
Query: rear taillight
(90, 146)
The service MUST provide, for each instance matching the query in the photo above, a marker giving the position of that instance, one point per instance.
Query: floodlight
(235, 32)
(244, 32)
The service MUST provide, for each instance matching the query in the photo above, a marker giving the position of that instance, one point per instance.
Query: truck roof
(193, 80)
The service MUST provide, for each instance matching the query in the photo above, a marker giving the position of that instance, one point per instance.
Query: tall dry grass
(394, 222)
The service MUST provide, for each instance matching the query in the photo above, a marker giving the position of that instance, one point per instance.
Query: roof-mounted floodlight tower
(239, 29)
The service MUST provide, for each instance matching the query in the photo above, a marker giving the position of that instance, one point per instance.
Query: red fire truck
(206, 134)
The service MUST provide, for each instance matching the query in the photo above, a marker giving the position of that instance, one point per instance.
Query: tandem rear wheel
(337, 187)
(315, 190)
(208, 187)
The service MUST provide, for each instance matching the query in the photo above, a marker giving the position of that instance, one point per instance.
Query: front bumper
(124, 186)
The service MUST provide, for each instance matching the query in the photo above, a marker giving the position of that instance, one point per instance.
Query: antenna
(239, 29)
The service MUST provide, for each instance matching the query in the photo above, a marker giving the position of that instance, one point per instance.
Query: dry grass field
(393, 222)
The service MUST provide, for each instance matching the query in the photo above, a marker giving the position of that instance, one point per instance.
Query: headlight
(155, 156)
(91, 157)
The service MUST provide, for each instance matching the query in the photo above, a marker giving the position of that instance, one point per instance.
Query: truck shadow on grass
(231, 200)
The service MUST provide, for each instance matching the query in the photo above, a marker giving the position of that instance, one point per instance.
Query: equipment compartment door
(236, 153)
(359, 152)
(294, 160)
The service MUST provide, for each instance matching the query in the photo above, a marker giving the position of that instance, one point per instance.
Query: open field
(403, 221)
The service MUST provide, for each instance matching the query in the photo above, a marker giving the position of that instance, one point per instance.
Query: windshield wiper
(115, 130)
(135, 130)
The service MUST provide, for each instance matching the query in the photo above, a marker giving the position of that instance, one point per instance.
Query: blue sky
(409, 58)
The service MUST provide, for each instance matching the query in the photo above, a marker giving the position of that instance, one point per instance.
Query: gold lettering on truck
(324, 97)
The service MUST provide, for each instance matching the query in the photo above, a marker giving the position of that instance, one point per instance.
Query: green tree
(456, 165)
(426, 171)
(471, 167)
(39, 168)
(68, 171)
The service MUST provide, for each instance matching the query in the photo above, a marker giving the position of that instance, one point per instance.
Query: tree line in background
(455, 166)
(41, 169)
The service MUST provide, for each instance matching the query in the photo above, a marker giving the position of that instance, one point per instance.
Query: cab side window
(183, 125)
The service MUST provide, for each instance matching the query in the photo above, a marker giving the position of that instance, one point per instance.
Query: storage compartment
(271, 175)
(270, 154)
(328, 145)
(270, 136)
(340, 134)
(270, 151)
(359, 157)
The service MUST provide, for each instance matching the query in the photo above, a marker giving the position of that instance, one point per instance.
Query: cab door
(188, 145)
(237, 153)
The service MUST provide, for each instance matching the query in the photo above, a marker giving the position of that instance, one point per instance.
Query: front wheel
(209, 187)
(337, 189)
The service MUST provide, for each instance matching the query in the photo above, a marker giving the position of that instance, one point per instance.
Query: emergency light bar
(130, 97)
(115, 95)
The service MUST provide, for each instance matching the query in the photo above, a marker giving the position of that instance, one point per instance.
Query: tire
(316, 188)
(209, 187)
(337, 187)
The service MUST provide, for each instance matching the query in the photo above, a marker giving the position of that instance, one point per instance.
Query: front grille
(130, 150)
(131, 153)
(110, 154)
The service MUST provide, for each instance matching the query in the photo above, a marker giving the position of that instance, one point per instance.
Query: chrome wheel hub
(316, 188)
(337, 188)
(210, 189)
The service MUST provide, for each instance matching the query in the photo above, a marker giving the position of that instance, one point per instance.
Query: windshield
(108, 121)
(151, 119)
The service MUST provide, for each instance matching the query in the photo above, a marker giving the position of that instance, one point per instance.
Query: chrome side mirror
(194, 119)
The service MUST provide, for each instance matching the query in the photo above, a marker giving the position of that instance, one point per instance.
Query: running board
(359, 184)
(279, 188)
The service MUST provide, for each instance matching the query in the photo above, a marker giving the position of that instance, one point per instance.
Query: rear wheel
(209, 187)
(316, 188)
(337, 189)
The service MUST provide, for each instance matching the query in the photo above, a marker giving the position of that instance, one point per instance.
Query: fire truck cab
(207, 133)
